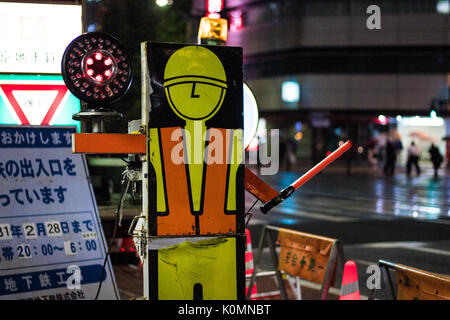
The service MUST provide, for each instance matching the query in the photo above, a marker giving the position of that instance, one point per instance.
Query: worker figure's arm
(155, 158)
(235, 159)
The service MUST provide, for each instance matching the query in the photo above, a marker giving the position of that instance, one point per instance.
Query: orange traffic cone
(249, 264)
(350, 288)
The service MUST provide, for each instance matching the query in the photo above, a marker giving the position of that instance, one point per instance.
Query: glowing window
(290, 91)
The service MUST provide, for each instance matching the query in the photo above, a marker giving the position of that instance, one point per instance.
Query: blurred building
(316, 65)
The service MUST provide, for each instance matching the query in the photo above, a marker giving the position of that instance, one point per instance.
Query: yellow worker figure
(208, 266)
(195, 197)
(195, 86)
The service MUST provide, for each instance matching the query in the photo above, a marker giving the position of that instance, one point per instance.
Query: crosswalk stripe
(415, 246)
(317, 216)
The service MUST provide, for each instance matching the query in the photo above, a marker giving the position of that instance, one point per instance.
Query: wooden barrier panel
(415, 284)
(304, 255)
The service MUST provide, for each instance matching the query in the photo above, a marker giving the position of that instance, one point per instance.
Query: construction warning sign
(196, 139)
(52, 245)
(304, 255)
(196, 170)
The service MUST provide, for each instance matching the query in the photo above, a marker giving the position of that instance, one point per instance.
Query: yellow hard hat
(194, 64)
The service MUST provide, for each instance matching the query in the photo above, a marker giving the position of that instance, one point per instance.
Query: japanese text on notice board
(48, 218)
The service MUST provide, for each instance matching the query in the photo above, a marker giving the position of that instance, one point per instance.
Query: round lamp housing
(96, 69)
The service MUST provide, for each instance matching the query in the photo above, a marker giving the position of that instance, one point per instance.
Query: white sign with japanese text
(52, 244)
(35, 35)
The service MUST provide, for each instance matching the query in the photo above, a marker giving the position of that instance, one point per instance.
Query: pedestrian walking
(291, 157)
(371, 152)
(436, 158)
(413, 159)
(391, 157)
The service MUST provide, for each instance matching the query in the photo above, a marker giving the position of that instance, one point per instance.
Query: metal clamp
(133, 225)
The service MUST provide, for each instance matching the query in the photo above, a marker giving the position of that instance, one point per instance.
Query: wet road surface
(398, 219)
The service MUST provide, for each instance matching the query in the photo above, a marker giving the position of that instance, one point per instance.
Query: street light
(97, 70)
(163, 3)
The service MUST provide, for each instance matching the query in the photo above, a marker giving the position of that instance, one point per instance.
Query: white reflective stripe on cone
(349, 288)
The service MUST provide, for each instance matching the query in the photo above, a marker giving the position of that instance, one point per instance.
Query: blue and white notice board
(52, 245)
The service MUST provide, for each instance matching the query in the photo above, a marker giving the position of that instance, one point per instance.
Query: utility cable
(125, 185)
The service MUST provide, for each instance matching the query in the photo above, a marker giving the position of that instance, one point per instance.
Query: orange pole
(285, 193)
(321, 165)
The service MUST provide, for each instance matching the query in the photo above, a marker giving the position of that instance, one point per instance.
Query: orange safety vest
(179, 220)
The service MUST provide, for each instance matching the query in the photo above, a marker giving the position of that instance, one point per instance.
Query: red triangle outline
(8, 88)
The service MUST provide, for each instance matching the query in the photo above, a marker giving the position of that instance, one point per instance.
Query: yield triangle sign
(34, 103)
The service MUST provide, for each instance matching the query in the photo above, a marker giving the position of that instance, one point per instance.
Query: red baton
(285, 193)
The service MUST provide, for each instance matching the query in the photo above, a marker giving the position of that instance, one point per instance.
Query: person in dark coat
(391, 157)
(436, 158)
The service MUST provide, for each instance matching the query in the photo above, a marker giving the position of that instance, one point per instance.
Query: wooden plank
(258, 187)
(113, 143)
(417, 284)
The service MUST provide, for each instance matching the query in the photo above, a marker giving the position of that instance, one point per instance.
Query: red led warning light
(96, 68)
(100, 66)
